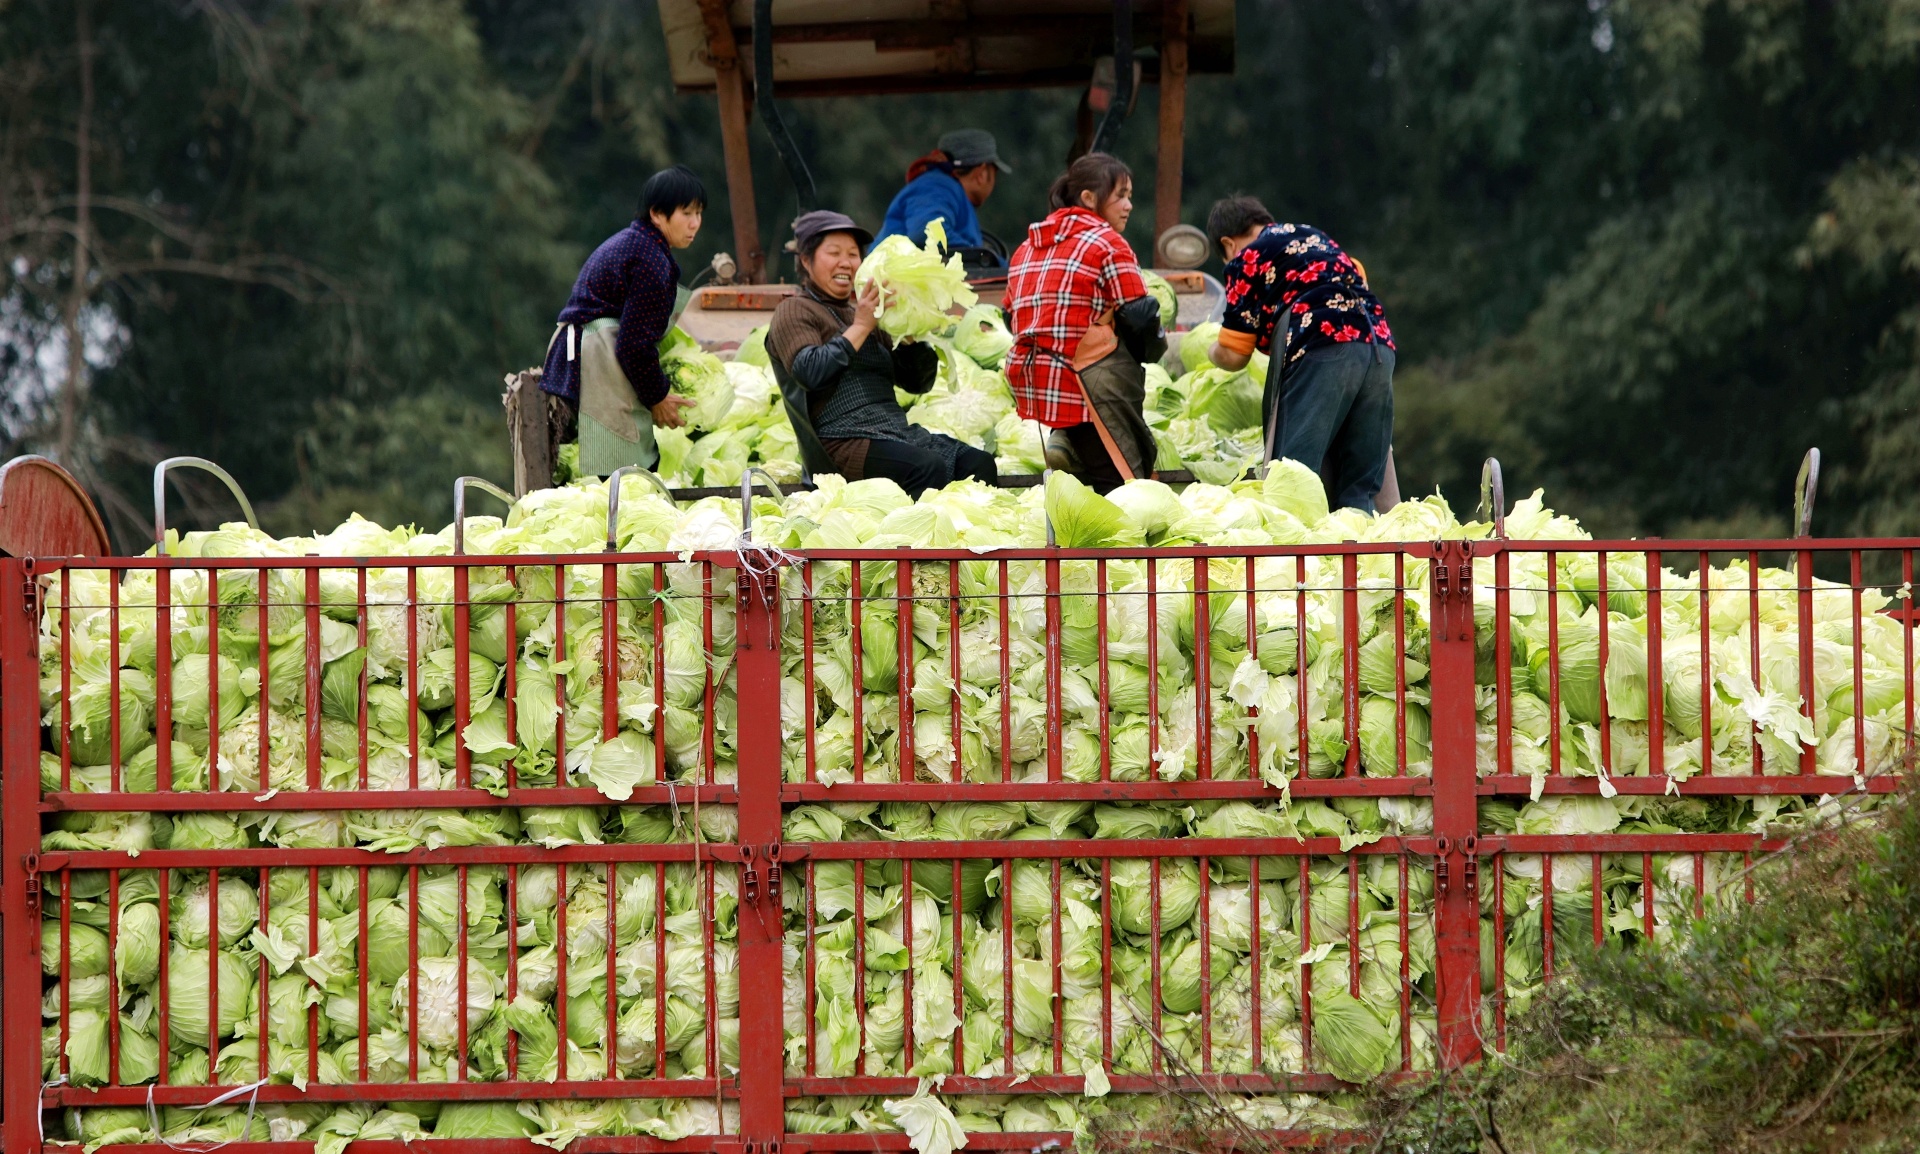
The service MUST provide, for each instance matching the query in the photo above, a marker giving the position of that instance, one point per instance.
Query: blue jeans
(1336, 416)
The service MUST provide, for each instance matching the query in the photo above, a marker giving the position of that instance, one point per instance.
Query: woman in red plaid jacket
(1084, 326)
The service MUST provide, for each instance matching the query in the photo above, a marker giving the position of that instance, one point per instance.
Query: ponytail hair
(1096, 172)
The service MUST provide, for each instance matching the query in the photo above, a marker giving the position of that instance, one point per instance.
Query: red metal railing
(836, 683)
(457, 875)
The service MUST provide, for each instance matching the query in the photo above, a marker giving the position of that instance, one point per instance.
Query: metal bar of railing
(460, 486)
(160, 472)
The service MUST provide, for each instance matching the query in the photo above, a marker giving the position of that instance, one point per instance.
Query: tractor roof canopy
(839, 47)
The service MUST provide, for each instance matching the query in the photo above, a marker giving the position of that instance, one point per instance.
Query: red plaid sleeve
(1120, 279)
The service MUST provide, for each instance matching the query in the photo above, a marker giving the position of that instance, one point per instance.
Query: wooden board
(876, 47)
(45, 513)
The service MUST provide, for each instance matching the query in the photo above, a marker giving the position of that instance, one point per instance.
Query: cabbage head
(1133, 894)
(917, 285)
(983, 336)
(188, 1014)
(1152, 506)
(753, 350)
(1229, 400)
(1195, 345)
(978, 820)
(187, 769)
(138, 955)
(191, 699)
(616, 767)
(86, 949)
(1083, 519)
(1351, 1041)
(108, 1126)
(92, 713)
(439, 1014)
(978, 882)
(1297, 489)
(699, 376)
(1379, 738)
(1180, 977)
(1162, 293)
(483, 1120)
(437, 688)
(1136, 821)
(239, 909)
(88, 1053)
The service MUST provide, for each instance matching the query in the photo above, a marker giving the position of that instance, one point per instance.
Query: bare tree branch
(149, 214)
(271, 271)
(247, 46)
(254, 268)
(550, 103)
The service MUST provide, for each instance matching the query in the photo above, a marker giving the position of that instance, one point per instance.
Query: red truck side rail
(755, 898)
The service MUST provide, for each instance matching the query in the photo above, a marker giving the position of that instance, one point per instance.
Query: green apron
(615, 428)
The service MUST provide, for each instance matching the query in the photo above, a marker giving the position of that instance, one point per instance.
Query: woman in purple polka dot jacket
(603, 369)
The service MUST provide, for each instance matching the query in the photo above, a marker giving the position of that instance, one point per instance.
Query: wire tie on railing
(760, 565)
(762, 558)
(252, 1092)
(40, 1115)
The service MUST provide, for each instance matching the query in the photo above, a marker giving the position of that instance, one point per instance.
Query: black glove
(1137, 324)
(915, 366)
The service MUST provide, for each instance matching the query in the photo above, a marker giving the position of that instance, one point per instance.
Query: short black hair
(1233, 216)
(670, 189)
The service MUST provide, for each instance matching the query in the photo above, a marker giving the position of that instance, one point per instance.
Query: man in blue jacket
(948, 183)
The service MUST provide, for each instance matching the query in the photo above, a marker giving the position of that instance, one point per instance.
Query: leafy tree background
(1644, 251)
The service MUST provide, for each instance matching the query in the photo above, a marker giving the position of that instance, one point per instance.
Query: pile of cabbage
(1254, 671)
(1353, 1038)
(1205, 420)
(311, 988)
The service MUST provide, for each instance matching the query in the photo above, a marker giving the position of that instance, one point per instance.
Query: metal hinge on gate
(31, 863)
(750, 874)
(1470, 849)
(1452, 614)
(30, 590)
(762, 586)
(1441, 848)
(773, 876)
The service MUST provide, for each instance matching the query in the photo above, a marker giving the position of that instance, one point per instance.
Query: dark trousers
(1097, 470)
(1336, 416)
(1116, 388)
(916, 470)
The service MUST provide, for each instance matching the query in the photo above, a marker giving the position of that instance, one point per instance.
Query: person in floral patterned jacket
(1294, 294)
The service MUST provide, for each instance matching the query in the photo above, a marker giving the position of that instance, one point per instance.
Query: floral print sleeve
(1294, 283)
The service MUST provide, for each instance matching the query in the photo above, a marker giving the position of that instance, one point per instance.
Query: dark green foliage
(1792, 1024)
(329, 209)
